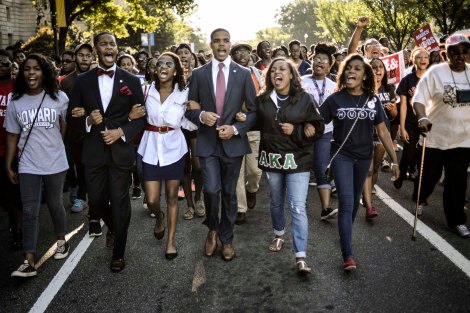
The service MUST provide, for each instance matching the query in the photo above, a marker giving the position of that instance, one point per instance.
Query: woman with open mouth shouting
(355, 110)
(35, 123)
(163, 145)
(289, 121)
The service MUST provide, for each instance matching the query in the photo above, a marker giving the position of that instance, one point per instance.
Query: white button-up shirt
(106, 85)
(215, 71)
(167, 148)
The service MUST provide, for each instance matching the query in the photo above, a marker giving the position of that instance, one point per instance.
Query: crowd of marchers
(104, 127)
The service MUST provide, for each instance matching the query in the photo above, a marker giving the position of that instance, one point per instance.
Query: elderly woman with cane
(442, 100)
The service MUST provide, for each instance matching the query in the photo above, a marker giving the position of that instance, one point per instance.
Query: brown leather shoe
(250, 199)
(211, 242)
(241, 218)
(228, 252)
(117, 265)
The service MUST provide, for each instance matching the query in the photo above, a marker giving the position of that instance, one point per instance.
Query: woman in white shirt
(163, 145)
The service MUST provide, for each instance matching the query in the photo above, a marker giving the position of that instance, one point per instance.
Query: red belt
(158, 129)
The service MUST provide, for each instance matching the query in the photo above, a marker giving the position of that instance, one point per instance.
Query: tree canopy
(120, 17)
(329, 20)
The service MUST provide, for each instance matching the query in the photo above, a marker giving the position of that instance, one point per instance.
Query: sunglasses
(6, 63)
(320, 60)
(67, 61)
(168, 64)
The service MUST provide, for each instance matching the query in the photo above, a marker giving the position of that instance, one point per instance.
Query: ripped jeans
(295, 187)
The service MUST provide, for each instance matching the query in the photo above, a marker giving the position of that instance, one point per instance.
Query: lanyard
(320, 93)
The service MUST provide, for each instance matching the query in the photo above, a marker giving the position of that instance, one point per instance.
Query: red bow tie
(100, 72)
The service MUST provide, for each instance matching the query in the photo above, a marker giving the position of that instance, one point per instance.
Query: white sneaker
(62, 251)
(78, 206)
(462, 230)
(25, 270)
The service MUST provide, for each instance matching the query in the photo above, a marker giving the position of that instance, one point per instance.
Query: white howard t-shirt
(44, 153)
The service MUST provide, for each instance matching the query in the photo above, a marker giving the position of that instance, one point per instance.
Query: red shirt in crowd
(5, 89)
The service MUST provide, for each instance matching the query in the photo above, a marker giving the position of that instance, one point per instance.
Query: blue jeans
(321, 158)
(295, 185)
(350, 175)
(31, 186)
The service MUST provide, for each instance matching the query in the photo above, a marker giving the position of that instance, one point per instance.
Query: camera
(463, 95)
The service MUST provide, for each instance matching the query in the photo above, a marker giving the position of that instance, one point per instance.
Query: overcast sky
(242, 18)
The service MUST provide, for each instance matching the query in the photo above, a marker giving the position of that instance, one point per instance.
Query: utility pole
(54, 25)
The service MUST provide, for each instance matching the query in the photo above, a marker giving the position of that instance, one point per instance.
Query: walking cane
(413, 236)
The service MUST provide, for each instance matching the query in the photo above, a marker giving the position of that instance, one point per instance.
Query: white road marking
(59, 279)
(437, 241)
(199, 277)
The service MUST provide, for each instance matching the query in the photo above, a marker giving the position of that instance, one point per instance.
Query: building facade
(18, 21)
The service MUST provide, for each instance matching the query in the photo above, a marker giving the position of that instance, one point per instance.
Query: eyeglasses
(319, 60)
(168, 64)
(5, 63)
(67, 61)
(455, 52)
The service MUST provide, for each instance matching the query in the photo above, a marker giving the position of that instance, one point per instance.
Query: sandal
(276, 244)
(302, 267)
(189, 214)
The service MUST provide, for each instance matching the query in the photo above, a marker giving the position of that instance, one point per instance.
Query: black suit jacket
(86, 94)
(240, 89)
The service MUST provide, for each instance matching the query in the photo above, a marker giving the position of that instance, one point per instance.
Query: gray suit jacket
(240, 89)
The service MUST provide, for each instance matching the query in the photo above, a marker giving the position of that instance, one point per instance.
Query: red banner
(395, 64)
(425, 38)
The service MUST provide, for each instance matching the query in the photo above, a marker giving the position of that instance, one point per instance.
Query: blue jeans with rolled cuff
(294, 187)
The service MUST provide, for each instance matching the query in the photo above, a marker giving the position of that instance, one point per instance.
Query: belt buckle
(163, 129)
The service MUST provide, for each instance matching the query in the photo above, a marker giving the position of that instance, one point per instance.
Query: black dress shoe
(171, 256)
(241, 218)
(117, 265)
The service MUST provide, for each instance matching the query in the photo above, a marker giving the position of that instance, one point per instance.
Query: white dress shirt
(215, 71)
(167, 148)
(106, 85)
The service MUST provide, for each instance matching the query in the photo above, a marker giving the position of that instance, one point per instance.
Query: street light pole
(54, 25)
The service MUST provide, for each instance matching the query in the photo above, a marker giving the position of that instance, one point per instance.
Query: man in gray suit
(221, 87)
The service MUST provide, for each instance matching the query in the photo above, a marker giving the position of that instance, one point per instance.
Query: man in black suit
(108, 94)
(221, 87)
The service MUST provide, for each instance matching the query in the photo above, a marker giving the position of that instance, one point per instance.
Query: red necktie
(100, 72)
(220, 91)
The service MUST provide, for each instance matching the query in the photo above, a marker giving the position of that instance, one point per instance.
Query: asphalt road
(394, 274)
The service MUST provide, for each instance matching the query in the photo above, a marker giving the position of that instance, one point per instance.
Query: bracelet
(422, 119)
(392, 164)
